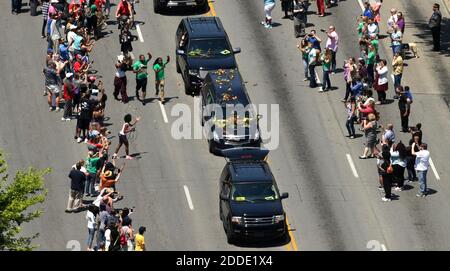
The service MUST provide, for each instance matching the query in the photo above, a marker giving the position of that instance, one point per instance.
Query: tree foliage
(16, 196)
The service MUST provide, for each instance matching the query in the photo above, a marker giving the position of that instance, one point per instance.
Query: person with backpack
(127, 237)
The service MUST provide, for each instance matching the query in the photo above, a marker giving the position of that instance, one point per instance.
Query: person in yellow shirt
(140, 240)
(397, 65)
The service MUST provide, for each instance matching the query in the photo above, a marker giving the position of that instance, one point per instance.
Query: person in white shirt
(421, 166)
(392, 20)
(90, 217)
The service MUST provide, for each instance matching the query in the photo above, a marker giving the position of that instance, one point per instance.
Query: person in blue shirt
(357, 87)
(314, 40)
(368, 10)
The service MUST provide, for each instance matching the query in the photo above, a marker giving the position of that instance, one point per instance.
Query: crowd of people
(364, 75)
(71, 30)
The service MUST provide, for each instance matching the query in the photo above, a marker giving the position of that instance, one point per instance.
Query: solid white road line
(434, 170)
(138, 29)
(188, 197)
(361, 4)
(352, 166)
(163, 111)
(393, 78)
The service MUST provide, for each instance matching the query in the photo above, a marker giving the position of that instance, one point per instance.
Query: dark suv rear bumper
(258, 233)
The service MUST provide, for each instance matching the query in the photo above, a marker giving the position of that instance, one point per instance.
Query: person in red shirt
(68, 96)
(79, 65)
(123, 9)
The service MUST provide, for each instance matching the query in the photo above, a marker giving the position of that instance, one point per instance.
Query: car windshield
(209, 48)
(253, 192)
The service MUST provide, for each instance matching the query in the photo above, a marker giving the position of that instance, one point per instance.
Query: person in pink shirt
(332, 44)
(376, 11)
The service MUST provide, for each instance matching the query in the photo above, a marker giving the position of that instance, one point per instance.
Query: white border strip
(434, 170)
(188, 197)
(352, 166)
(138, 29)
(163, 111)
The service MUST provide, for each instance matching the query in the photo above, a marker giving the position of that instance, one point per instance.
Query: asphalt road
(328, 208)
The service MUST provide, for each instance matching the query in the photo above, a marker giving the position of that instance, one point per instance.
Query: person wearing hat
(108, 180)
(140, 240)
(68, 96)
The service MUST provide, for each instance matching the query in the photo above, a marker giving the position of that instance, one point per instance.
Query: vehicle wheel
(204, 7)
(231, 238)
(156, 6)
(178, 68)
(211, 147)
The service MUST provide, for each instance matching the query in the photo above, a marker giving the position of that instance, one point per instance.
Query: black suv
(227, 114)
(250, 202)
(202, 45)
(159, 5)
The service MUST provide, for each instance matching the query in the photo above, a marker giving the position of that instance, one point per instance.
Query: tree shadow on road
(425, 35)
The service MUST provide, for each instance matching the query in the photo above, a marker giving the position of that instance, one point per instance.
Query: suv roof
(250, 171)
(227, 82)
(204, 27)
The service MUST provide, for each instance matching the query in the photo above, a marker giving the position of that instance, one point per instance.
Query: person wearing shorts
(123, 140)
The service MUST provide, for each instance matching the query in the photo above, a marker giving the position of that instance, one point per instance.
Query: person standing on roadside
(140, 240)
(392, 20)
(405, 110)
(376, 6)
(382, 83)
(326, 69)
(312, 61)
(44, 10)
(385, 170)
(300, 13)
(140, 68)
(370, 126)
(396, 40)
(349, 74)
(159, 67)
(398, 160)
(320, 8)
(269, 5)
(90, 217)
(371, 57)
(435, 25)
(397, 69)
(388, 138)
(367, 12)
(332, 44)
(421, 166)
(303, 47)
(351, 117)
(77, 179)
(286, 7)
(91, 167)
(68, 94)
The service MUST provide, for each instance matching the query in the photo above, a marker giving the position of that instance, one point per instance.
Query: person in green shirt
(371, 56)
(326, 67)
(140, 69)
(159, 67)
(374, 42)
(91, 168)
